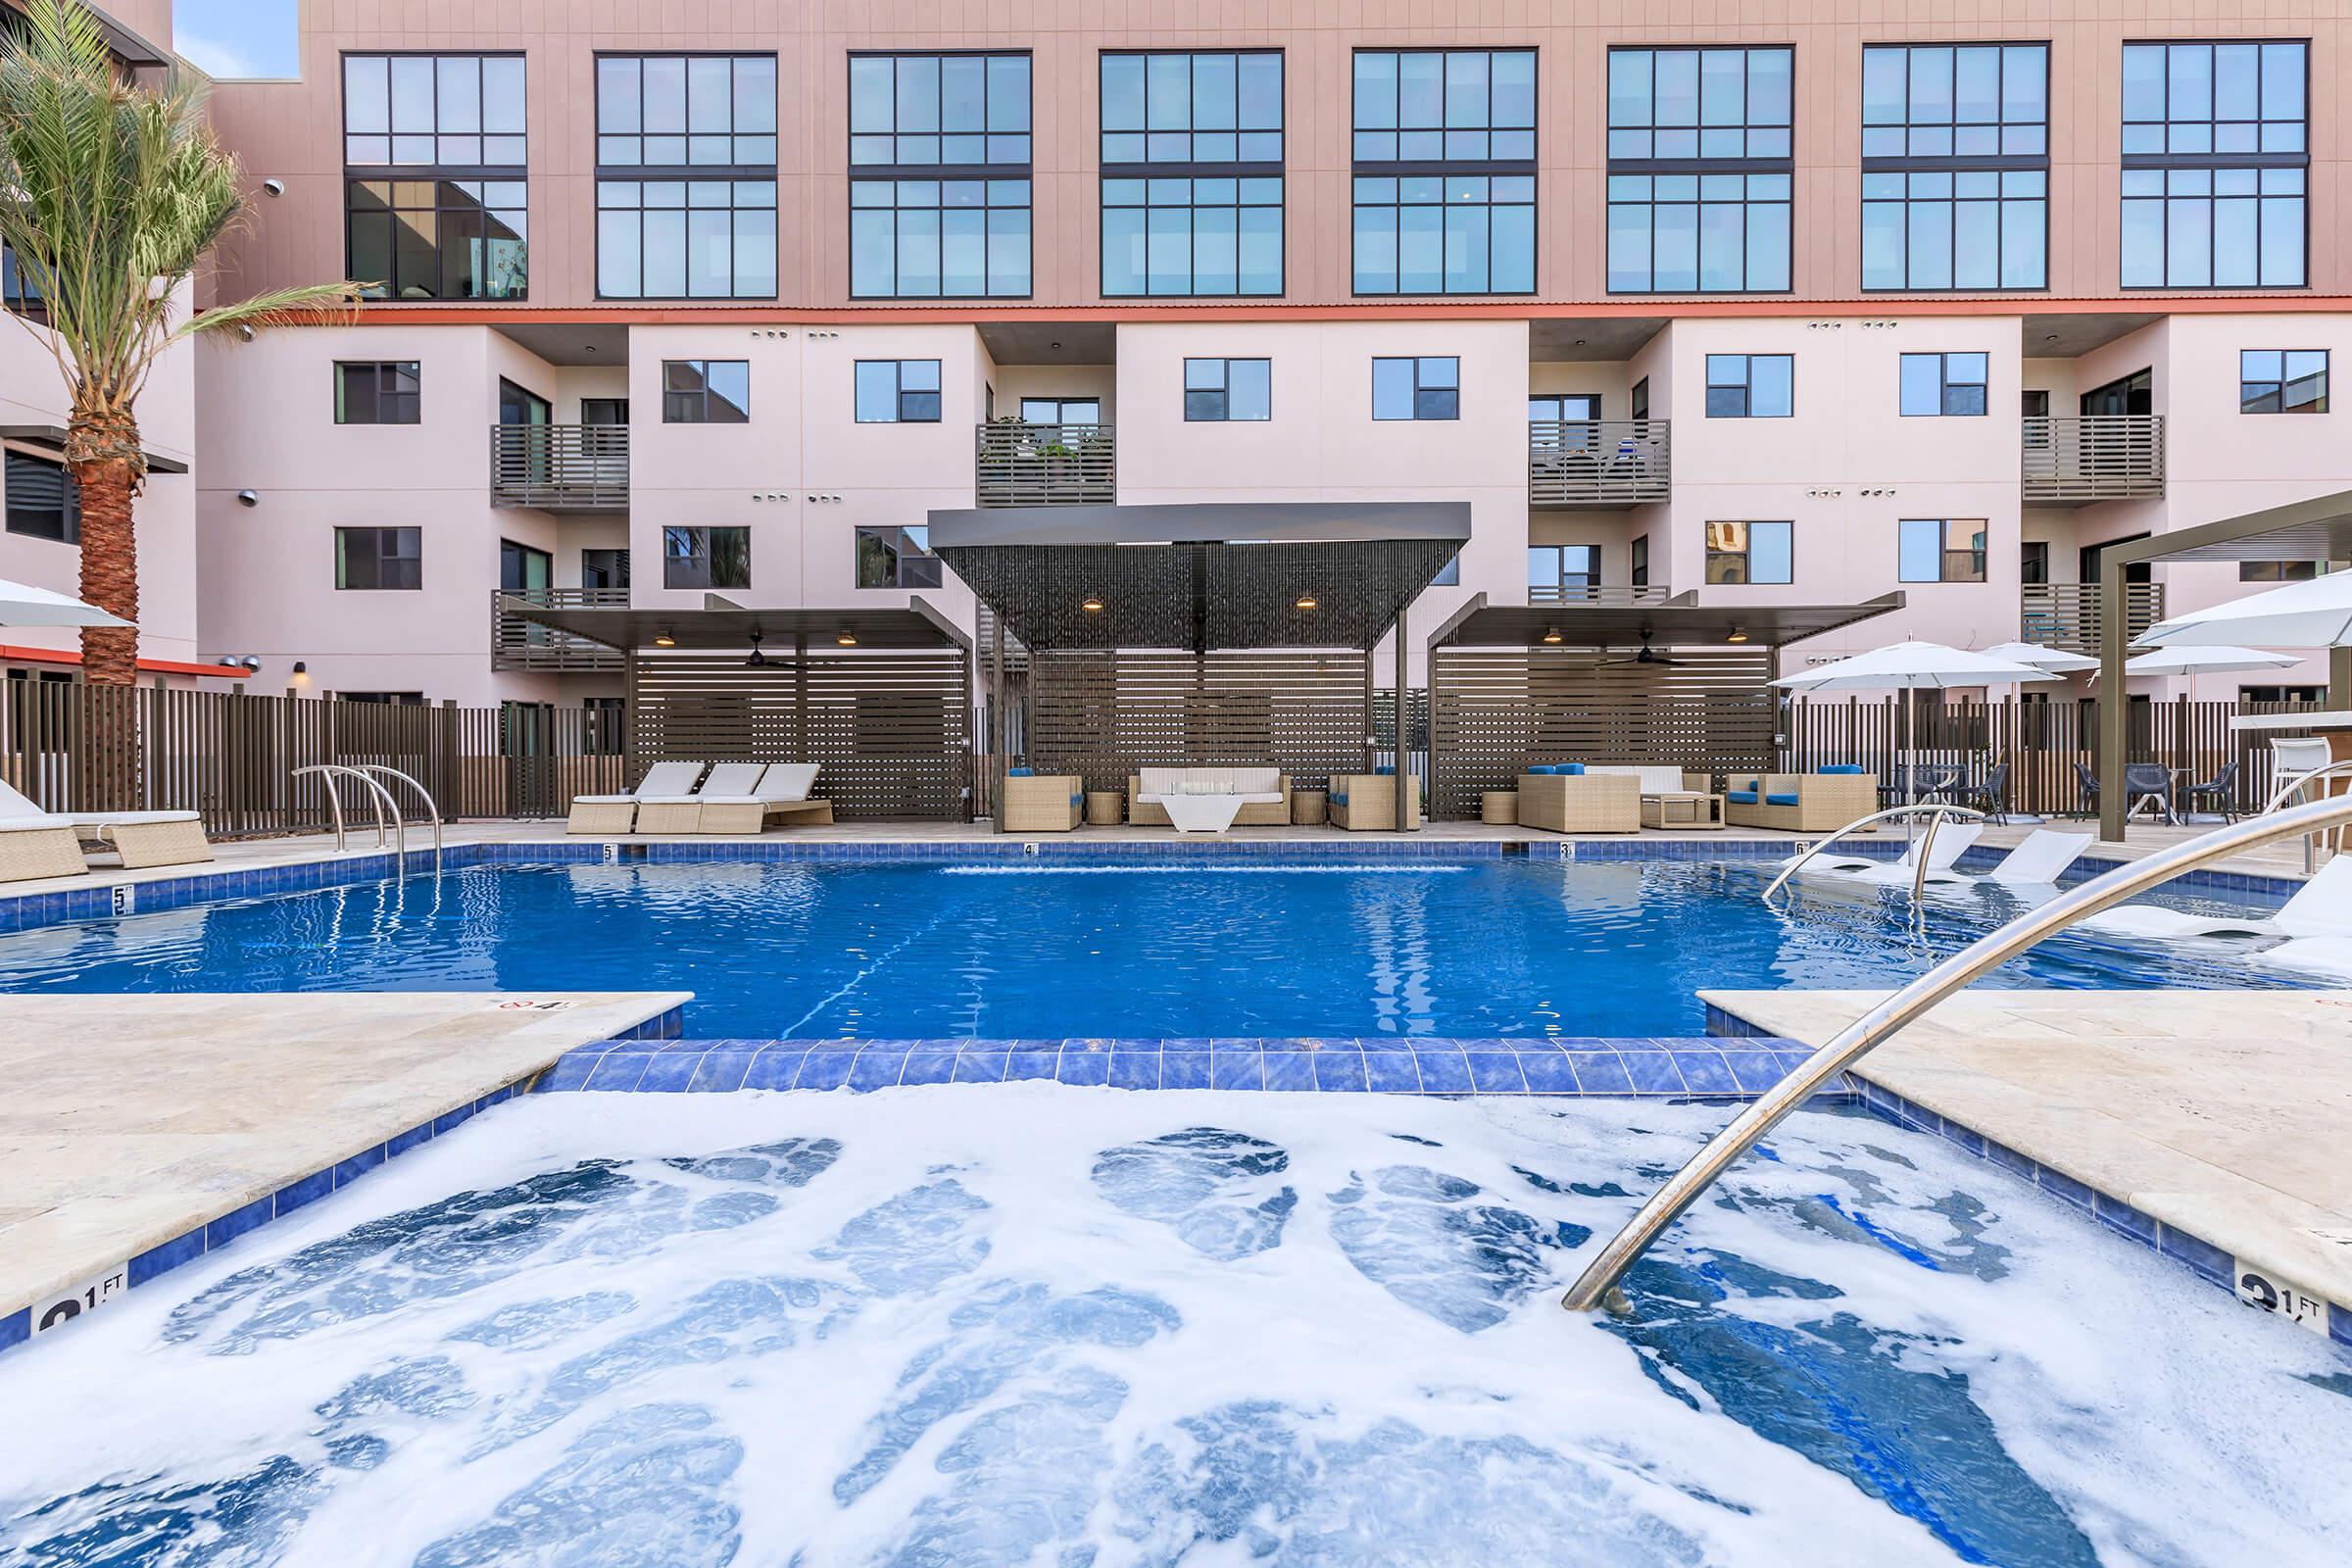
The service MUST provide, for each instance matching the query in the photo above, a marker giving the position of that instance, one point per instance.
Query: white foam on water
(971, 1336)
(1202, 868)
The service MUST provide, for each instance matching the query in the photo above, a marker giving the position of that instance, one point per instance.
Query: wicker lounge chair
(1582, 802)
(1799, 802)
(617, 813)
(1265, 793)
(1366, 802)
(140, 838)
(782, 790)
(728, 782)
(1041, 803)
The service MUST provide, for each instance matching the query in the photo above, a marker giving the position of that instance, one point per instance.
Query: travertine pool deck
(132, 1122)
(2226, 1114)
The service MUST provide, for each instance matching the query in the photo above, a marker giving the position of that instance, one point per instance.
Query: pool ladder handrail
(1598, 1281)
(433, 811)
(1933, 810)
(2340, 768)
(383, 801)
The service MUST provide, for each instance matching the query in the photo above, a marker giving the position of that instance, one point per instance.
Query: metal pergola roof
(1291, 575)
(721, 626)
(1676, 622)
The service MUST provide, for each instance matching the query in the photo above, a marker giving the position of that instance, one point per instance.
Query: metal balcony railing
(1596, 463)
(1022, 465)
(518, 644)
(561, 468)
(2065, 615)
(1553, 593)
(2097, 456)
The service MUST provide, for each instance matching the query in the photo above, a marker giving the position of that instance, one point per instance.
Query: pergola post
(996, 721)
(2115, 705)
(2339, 677)
(1371, 657)
(1404, 800)
(628, 718)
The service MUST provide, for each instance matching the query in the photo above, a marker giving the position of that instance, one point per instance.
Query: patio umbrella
(2204, 661)
(1908, 668)
(2057, 660)
(22, 604)
(2316, 613)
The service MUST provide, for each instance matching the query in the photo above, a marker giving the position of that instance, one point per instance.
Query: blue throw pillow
(1540, 770)
(1020, 773)
(1574, 769)
(1838, 768)
(1742, 797)
(1339, 796)
(1778, 799)
(1384, 772)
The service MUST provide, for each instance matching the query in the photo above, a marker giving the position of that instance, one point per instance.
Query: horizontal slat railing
(518, 644)
(1597, 462)
(1022, 465)
(561, 468)
(1553, 593)
(2071, 462)
(2068, 615)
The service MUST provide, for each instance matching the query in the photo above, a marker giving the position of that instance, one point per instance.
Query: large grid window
(1940, 385)
(2283, 381)
(1219, 391)
(1739, 552)
(705, 391)
(706, 558)
(1701, 170)
(686, 176)
(1192, 173)
(2216, 165)
(434, 164)
(1426, 388)
(377, 392)
(1941, 550)
(940, 164)
(1751, 386)
(1956, 165)
(1445, 172)
(373, 559)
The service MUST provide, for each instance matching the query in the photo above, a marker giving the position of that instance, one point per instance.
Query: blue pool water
(1475, 949)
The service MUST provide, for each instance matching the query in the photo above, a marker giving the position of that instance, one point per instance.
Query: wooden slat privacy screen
(1105, 714)
(890, 729)
(1497, 709)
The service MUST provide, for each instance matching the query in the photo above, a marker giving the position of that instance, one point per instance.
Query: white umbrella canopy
(22, 604)
(2057, 660)
(1909, 667)
(2205, 661)
(2316, 613)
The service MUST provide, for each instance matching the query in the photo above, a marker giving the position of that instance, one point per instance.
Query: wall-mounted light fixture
(302, 666)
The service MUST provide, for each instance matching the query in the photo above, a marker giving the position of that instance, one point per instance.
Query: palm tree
(110, 195)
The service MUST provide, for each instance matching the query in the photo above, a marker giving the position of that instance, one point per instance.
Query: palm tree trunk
(110, 570)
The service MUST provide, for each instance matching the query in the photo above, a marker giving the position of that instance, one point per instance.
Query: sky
(228, 39)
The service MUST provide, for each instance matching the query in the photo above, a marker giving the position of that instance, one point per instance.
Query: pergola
(1616, 678)
(2316, 529)
(879, 696)
(1199, 633)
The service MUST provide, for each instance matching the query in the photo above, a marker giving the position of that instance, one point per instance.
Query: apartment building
(1804, 309)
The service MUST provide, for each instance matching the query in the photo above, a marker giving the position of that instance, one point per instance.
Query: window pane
(1772, 391)
(1392, 389)
(1769, 554)
(1251, 388)
(877, 391)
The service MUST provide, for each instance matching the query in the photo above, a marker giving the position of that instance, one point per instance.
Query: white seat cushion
(1653, 779)
(732, 781)
(788, 781)
(669, 779)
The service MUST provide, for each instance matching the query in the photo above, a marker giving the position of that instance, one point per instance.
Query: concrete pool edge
(2270, 1248)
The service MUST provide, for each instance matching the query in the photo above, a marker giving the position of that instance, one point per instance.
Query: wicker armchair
(1366, 802)
(1581, 802)
(1799, 802)
(1041, 803)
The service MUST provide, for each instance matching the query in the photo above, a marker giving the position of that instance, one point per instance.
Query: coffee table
(1700, 811)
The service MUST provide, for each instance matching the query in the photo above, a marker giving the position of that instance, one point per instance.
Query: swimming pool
(1022, 1324)
(1018, 949)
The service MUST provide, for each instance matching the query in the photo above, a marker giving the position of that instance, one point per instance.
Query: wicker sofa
(1041, 803)
(1366, 802)
(1799, 802)
(1581, 802)
(1270, 809)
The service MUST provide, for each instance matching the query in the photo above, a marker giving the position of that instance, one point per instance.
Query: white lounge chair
(782, 790)
(140, 838)
(2039, 862)
(682, 811)
(617, 813)
(2320, 908)
(1952, 841)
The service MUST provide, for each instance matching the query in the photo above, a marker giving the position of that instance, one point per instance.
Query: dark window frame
(1223, 390)
(1702, 169)
(679, 567)
(386, 557)
(68, 510)
(1587, 576)
(439, 176)
(904, 556)
(398, 398)
(1151, 178)
(2156, 172)
(1745, 386)
(735, 171)
(1638, 557)
(1433, 177)
(2277, 386)
(899, 174)
(1746, 555)
(1946, 385)
(899, 393)
(1998, 166)
(1420, 390)
(694, 405)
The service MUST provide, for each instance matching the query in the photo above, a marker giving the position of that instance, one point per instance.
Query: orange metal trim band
(152, 667)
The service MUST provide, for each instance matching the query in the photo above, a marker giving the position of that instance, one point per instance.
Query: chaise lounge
(781, 789)
(1366, 802)
(140, 838)
(617, 813)
(1800, 803)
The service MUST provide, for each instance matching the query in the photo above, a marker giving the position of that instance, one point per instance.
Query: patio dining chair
(2149, 783)
(1988, 794)
(2221, 788)
(2088, 783)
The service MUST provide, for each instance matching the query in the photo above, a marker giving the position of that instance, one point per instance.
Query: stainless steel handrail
(327, 773)
(1935, 811)
(433, 811)
(2294, 786)
(1858, 1039)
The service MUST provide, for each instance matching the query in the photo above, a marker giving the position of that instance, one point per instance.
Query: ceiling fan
(1648, 655)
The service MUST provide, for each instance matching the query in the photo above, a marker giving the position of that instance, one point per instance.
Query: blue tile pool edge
(33, 911)
(2214, 1265)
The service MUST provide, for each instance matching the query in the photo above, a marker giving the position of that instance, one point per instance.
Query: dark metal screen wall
(1495, 710)
(1105, 714)
(890, 732)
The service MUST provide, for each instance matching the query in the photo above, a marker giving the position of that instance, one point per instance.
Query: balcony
(2065, 615)
(1553, 593)
(517, 644)
(1597, 464)
(560, 467)
(1023, 465)
(2098, 457)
